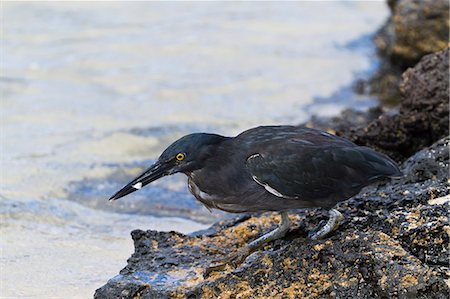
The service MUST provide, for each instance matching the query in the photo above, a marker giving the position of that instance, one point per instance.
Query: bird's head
(187, 154)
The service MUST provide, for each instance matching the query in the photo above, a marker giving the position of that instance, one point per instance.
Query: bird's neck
(210, 149)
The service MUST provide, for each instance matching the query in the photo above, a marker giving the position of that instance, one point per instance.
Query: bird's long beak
(153, 173)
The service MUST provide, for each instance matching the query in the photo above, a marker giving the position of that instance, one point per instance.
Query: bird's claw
(233, 260)
(312, 233)
(323, 230)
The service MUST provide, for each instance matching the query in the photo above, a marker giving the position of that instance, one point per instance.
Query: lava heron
(270, 168)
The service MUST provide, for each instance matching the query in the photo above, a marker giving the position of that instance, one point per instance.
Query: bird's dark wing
(314, 172)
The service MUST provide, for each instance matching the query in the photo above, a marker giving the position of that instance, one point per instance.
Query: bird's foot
(321, 231)
(234, 260)
(238, 257)
(312, 233)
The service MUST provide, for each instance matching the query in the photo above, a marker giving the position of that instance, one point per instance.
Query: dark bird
(270, 168)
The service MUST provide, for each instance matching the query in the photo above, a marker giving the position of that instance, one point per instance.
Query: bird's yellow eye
(180, 157)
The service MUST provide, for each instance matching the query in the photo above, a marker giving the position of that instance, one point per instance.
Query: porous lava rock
(392, 244)
(422, 117)
(414, 29)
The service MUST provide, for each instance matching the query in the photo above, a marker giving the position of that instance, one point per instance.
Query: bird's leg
(248, 249)
(332, 224)
(277, 233)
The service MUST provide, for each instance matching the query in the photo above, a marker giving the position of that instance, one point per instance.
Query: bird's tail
(380, 164)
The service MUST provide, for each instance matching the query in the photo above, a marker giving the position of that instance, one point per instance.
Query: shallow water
(91, 93)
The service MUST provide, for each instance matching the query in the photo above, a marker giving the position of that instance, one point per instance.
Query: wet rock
(422, 117)
(393, 244)
(414, 29)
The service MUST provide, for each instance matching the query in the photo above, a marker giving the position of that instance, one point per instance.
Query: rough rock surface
(423, 114)
(393, 243)
(348, 119)
(415, 28)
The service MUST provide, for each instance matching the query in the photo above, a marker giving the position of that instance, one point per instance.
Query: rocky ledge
(414, 29)
(420, 120)
(392, 244)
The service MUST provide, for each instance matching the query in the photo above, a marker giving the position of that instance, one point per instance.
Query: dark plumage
(270, 168)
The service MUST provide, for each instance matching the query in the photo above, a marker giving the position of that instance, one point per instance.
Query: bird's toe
(233, 260)
(323, 230)
(313, 234)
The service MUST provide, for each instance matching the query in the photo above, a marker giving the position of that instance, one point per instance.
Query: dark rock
(348, 119)
(393, 244)
(425, 92)
(384, 83)
(414, 29)
(422, 117)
